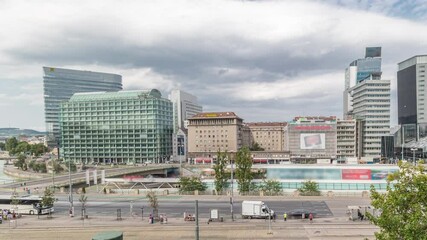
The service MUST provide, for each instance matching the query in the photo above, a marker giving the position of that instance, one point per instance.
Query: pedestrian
(310, 217)
(285, 216)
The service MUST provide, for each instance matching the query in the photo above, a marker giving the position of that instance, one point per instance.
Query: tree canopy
(244, 169)
(220, 174)
(404, 205)
(309, 188)
(188, 184)
(256, 147)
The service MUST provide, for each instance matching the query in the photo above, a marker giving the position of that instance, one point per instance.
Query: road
(176, 208)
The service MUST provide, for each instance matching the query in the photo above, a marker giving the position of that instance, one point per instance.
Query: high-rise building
(185, 106)
(60, 84)
(117, 127)
(411, 98)
(368, 68)
(367, 100)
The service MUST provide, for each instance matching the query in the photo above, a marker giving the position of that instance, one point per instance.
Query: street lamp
(70, 187)
(231, 198)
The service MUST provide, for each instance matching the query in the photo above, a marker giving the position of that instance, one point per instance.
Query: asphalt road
(176, 208)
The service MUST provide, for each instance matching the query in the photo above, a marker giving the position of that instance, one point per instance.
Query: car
(297, 213)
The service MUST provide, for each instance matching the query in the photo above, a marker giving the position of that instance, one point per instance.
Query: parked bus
(29, 204)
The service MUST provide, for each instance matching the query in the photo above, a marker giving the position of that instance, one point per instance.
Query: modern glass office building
(60, 84)
(117, 127)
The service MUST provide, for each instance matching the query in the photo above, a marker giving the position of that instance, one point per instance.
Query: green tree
(20, 162)
(256, 147)
(271, 187)
(42, 167)
(2, 146)
(243, 171)
(403, 207)
(220, 174)
(48, 198)
(23, 147)
(309, 188)
(11, 144)
(189, 184)
(38, 149)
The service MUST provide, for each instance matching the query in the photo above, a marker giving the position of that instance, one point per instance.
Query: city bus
(29, 204)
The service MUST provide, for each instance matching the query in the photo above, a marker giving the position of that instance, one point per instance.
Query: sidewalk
(64, 227)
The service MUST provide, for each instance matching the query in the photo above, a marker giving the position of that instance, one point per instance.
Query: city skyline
(255, 58)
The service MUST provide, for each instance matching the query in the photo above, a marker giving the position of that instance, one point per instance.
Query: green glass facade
(116, 127)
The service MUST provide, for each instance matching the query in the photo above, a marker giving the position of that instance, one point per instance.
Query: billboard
(356, 174)
(312, 141)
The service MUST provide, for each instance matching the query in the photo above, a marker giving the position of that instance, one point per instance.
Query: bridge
(80, 177)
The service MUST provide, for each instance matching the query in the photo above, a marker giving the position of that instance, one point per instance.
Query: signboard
(214, 214)
(312, 141)
(356, 174)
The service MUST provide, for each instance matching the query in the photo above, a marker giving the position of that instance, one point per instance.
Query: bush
(309, 188)
(188, 184)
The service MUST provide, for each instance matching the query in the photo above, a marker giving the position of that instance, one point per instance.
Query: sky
(264, 60)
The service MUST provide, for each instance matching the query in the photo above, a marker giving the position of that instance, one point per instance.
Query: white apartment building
(346, 139)
(371, 105)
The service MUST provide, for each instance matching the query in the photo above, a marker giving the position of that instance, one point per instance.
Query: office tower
(368, 68)
(185, 106)
(117, 127)
(60, 84)
(411, 99)
(369, 101)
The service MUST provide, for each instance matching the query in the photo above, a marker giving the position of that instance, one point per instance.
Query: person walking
(285, 216)
(310, 217)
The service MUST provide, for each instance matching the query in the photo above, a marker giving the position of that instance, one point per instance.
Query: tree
(256, 147)
(189, 184)
(83, 201)
(20, 162)
(11, 144)
(271, 187)
(23, 147)
(243, 169)
(154, 203)
(220, 174)
(309, 188)
(14, 199)
(38, 149)
(2, 146)
(48, 198)
(403, 207)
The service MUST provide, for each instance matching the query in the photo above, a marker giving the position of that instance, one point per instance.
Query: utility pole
(197, 219)
(71, 189)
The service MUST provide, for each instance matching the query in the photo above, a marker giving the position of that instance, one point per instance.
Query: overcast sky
(264, 60)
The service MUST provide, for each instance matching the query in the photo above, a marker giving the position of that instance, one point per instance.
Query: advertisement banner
(356, 174)
(312, 141)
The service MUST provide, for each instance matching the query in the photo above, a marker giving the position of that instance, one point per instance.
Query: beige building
(346, 139)
(269, 135)
(211, 132)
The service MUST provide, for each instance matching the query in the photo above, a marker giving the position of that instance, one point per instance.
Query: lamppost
(232, 190)
(70, 187)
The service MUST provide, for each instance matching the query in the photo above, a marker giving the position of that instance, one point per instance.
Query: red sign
(356, 174)
(312, 128)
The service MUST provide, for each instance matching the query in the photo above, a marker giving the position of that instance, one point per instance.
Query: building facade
(346, 139)
(60, 84)
(117, 127)
(269, 135)
(185, 106)
(371, 106)
(211, 132)
(411, 98)
(312, 138)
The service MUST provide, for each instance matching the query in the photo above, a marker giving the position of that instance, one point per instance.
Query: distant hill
(13, 132)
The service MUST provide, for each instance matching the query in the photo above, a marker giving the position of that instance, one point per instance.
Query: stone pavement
(64, 227)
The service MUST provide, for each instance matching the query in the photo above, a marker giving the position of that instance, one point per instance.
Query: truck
(256, 209)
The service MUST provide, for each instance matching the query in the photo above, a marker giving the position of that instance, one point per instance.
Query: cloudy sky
(264, 60)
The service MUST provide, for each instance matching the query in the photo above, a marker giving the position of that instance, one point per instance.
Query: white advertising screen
(312, 141)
